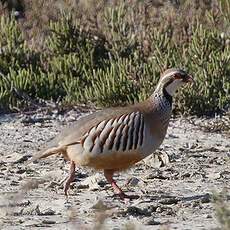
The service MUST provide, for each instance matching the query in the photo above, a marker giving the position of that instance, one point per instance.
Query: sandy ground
(175, 196)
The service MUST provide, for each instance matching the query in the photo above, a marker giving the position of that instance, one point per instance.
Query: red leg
(70, 178)
(109, 177)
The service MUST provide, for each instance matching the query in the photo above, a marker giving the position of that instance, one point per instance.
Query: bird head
(172, 79)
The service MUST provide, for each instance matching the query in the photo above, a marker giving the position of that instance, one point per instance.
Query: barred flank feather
(121, 134)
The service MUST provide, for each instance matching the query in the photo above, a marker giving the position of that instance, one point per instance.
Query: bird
(114, 139)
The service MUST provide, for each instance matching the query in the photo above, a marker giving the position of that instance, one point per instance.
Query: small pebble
(49, 222)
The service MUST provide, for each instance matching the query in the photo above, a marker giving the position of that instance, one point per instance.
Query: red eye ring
(177, 76)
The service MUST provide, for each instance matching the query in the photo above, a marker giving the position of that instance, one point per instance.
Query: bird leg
(109, 177)
(70, 178)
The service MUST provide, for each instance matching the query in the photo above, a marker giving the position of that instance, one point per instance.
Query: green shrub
(16, 89)
(18, 64)
(208, 58)
(117, 56)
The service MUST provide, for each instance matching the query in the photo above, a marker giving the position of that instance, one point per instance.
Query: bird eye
(178, 76)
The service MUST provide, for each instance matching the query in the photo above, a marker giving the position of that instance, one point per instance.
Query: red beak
(189, 79)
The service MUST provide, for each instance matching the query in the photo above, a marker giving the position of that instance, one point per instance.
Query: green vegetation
(113, 54)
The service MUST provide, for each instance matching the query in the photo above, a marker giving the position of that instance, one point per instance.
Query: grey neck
(167, 96)
(162, 109)
(162, 94)
(163, 101)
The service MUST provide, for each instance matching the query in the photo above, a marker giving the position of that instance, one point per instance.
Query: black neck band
(167, 96)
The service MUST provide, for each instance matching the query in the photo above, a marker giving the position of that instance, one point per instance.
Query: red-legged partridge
(116, 138)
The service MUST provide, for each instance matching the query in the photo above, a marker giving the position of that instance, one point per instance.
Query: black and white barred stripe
(117, 134)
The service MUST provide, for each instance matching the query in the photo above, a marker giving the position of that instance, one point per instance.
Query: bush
(18, 65)
(115, 56)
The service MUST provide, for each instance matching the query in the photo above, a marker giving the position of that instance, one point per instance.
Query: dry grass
(222, 207)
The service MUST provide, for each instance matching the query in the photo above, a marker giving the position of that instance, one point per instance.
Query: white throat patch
(171, 88)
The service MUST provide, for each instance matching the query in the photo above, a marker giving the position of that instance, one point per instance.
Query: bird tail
(48, 152)
(52, 151)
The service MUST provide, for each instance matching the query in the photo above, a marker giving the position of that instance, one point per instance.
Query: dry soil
(177, 195)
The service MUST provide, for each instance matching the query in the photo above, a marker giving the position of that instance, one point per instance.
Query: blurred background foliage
(111, 53)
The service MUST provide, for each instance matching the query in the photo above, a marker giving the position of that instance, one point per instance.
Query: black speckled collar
(167, 96)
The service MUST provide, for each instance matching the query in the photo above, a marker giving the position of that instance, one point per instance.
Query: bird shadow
(169, 199)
